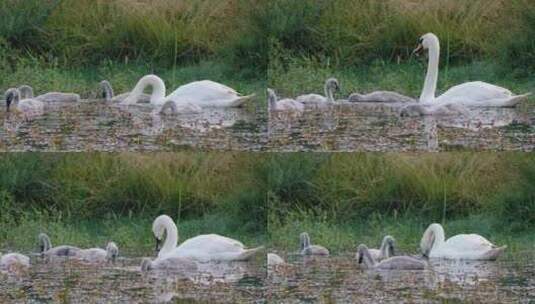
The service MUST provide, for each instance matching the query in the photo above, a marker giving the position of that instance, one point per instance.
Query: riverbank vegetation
(345, 199)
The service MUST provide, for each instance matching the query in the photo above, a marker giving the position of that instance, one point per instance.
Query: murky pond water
(66, 281)
(379, 127)
(98, 126)
(338, 279)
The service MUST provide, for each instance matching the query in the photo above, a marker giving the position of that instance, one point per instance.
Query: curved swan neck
(272, 99)
(438, 233)
(107, 90)
(365, 256)
(328, 89)
(158, 89)
(45, 243)
(305, 240)
(431, 78)
(387, 247)
(171, 232)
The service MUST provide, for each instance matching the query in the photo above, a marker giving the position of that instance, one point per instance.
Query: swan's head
(428, 239)
(159, 227)
(146, 264)
(107, 90)
(361, 249)
(426, 42)
(390, 243)
(44, 242)
(112, 251)
(304, 240)
(12, 96)
(332, 84)
(26, 91)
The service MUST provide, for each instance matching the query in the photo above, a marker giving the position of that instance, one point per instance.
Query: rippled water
(338, 279)
(379, 127)
(70, 282)
(99, 126)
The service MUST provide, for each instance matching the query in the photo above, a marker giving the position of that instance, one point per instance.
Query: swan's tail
(495, 253)
(516, 99)
(240, 101)
(249, 253)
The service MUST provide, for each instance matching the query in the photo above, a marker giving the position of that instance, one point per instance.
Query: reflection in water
(379, 127)
(95, 125)
(338, 279)
(78, 283)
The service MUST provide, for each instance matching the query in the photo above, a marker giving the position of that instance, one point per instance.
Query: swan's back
(58, 97)
(93, 255)
(312, 99)
(401, 263)
(290, 105)
(205, 93)
(475, 92)
(469, 242)
(14, 259)
(210, 244)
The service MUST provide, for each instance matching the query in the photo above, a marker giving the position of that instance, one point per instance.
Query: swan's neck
(272, 101)
(430, 84)
(158, 89)
(367, 258)
(305, 241)
(329, 94)
(385, 248)
(171, 239)
(438, 236)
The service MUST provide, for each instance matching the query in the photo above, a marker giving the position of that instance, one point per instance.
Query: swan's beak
(418, 49)
(8, 103)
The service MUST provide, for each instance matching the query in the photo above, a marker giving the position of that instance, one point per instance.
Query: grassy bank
(88, 198)
(343, 199)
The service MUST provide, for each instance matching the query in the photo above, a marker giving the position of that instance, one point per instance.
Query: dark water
(99, 126)
(71, 282)
(379, 127)
(339, 280)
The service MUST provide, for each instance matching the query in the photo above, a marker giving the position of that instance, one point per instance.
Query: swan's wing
(311, 99)
(210, 244)
(204, 90)
(58, 97)
(289, 105)
(473, 92)
(469, 242)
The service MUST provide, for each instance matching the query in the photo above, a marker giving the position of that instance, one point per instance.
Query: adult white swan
(206, 247)
(286, 104)
(476, 94)
(204, 93)
(316, 100)
(461, 246)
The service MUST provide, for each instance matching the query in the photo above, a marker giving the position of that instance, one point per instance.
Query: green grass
(342, 199)
(296, 76)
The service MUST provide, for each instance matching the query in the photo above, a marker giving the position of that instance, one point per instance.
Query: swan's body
(274, 260)
(14, 261)
(58, 251)
(385, 251)
(474, 94)
(27, 92)
(98, 255)
(109, 96)
(308, 249)
(169, 264)
(461, 246)
(440, 109)
(203, 93)
(206, 247)
(381, 96)
(392, 263)
(316, 100)
(29, 107)
(287, 105)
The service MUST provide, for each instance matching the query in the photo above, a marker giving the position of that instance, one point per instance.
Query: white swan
(206, 247)
(204, 93)
(461, 246)
(331, 86)
(169, 264)
(308, 249)
(287, 104)
(109, 96)
(26, 91)
(477, 93)
(393, 263)
(98, 255)
(385, 251)
(13, 262)
(380, 96)
(49, 251)
(29, 107)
